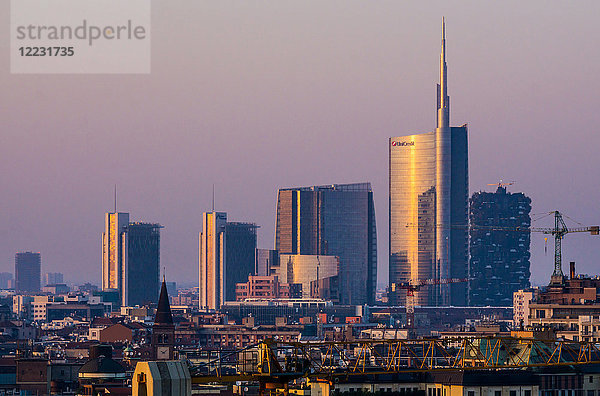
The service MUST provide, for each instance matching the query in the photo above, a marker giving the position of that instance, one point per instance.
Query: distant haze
(254, 96)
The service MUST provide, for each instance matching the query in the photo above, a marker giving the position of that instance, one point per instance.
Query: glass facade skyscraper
(335, 220)
(227, 256)
(131, 259)
(428, 186)
(142, 278)
(28, 274)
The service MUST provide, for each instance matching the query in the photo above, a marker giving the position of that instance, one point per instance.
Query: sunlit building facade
(333, 220)
(428, 192)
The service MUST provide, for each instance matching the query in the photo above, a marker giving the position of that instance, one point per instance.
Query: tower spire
(443, 98)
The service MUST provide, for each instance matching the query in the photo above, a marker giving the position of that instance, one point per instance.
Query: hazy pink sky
(258, 95)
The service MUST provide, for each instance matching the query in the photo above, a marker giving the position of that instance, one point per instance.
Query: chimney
(572, 274)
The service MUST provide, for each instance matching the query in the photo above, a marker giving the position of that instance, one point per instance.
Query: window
(498, 393)
(471, 393)
(591, 393)
(527, 392)
(591, 379)
(513, 393)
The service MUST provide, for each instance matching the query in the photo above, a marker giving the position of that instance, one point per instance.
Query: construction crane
(413, 286)
(559, 231)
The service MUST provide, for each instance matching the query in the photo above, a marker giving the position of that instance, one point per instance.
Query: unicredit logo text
(403, 144)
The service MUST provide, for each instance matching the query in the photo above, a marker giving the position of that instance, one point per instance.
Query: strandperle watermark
(80, 36)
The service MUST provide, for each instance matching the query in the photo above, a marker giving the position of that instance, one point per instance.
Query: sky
(252, 96)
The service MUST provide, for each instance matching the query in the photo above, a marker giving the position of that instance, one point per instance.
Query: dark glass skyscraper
(240, 248)
(142, 279)
(428, 184)
(336, 220)
(28, 273)
(499, 257)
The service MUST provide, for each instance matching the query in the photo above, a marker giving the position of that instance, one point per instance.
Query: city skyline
(313, 104)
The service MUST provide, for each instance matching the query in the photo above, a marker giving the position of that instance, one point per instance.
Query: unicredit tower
(429, 186)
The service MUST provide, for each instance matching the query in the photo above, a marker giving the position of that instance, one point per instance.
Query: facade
(303, 269)
(332, 220)
(428, 185)
(28, 267)
(131, 259)
(113, 257)
(227, 256)
(499, 263)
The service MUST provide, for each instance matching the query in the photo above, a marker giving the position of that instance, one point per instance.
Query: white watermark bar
(80, 36)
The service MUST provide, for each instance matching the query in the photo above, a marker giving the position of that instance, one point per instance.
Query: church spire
(443, 102)
(163, 311)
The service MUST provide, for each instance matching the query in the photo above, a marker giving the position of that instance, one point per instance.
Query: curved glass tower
(428, 184)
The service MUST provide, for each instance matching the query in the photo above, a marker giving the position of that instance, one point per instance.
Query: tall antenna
(213, 198)
(115, 198)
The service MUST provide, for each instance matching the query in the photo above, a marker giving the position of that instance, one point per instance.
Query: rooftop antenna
(213, 198)
(115, 198)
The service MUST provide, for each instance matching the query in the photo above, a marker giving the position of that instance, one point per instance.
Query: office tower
(499, 264)
(28, 275)
(53, 278)
(5, 280)
(334, 220)
(131, 259)
(265, 259)
(113, 257)
(227, 257)
(141, 275)
(304, 269)
(428, 183)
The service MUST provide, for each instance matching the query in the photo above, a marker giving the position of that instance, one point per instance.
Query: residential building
(428, 186)
(227, 257)
(332, 220)
(28, 267)
(521, 300)
(499, 263)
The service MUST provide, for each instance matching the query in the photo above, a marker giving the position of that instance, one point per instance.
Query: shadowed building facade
(428, 187)
(332, 220)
